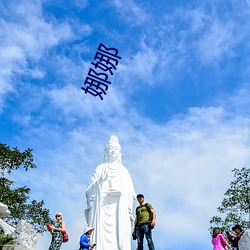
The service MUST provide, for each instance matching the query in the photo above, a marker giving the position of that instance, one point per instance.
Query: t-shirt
(142, 214)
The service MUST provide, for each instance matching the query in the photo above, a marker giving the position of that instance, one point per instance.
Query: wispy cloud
(216, 43)
(131, 12)
(72, 101)
(24, 38)
(80, 3)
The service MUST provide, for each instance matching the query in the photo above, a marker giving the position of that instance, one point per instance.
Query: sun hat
(59, 213)
(87, 229)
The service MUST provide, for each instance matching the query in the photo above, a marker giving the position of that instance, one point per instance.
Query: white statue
(110, 197)
(4, 212)
(244, 242)
(25, 235)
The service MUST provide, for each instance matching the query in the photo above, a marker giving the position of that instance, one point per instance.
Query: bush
(6, 240)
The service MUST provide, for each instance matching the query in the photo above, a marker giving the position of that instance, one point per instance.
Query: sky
(178, 101)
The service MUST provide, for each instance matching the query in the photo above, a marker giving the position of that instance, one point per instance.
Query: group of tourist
(57, 236)
(219, 242)
(143, 225)
(110, 199)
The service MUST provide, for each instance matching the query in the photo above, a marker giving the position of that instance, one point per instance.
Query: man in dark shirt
(239, 231)
(143, 223)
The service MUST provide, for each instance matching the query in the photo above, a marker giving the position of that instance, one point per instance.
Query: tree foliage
(17, 199)
(6, 239)
(235, 206)
(11, 159)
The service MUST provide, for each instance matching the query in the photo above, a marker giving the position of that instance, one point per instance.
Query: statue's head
(113, 150)
(4, 211)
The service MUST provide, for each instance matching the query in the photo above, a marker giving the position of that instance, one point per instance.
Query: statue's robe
(110, 197)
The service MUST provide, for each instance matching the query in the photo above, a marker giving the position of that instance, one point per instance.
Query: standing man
(144, 223)
(239, 231)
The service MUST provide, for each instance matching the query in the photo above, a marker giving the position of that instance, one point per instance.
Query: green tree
(235, 206)
(17, 199)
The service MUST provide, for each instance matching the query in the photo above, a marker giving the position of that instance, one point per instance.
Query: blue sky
(178, 100)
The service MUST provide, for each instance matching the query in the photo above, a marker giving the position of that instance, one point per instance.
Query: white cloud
(25, 35)
(131, 12)
(240, 101)
(198, 20)
(217, 42)
(32, 33)
(139, 68)
(73, 101)
(188, 34)
(80, 3)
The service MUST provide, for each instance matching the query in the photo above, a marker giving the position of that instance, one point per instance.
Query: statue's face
(114, 150)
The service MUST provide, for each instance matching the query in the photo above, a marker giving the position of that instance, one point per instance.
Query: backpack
(149, 212)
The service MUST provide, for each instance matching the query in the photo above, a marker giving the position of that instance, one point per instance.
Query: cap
(140, 195)
(237, 227)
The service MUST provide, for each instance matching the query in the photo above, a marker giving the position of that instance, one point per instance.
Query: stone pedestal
(13, 247)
